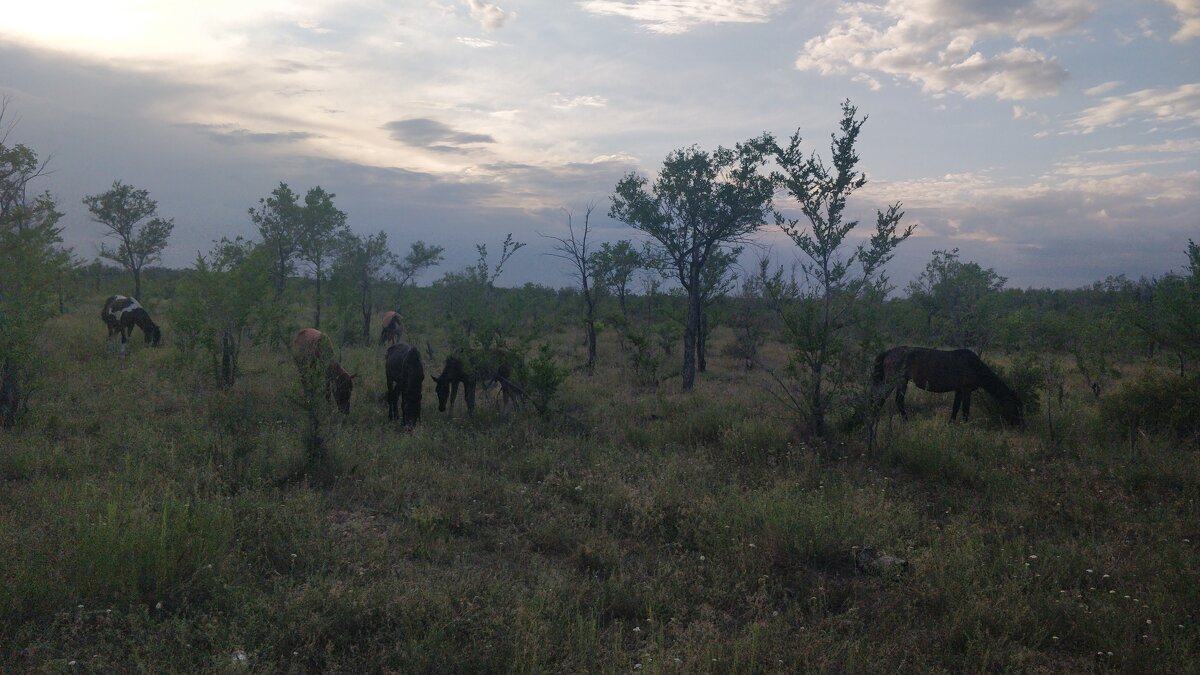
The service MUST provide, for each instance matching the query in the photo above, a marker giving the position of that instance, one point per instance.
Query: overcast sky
(1057, 141)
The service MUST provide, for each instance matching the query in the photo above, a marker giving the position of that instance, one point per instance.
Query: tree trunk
(317, 315)
(690, 331)
(228, 360)
(137, 284)
(591, 332)
(366, 314)
(701, 343)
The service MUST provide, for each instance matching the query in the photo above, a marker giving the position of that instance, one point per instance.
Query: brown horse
(393, 329)
(960, 371)
(121, 314)
(313, 351)
(405, 375)
(455, 371)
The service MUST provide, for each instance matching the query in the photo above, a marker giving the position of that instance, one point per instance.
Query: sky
(1055, 141)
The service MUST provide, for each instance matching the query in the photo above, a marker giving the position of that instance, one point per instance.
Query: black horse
(455, 371)
(960, 371)
(405, 375)
(121, 314)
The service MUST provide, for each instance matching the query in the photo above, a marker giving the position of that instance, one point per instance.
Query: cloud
(935, 43)
(477, 43)
(564, 103)
(680, 16)
(1153, 105)
(1187, 13)
(231, 135)
(423, 132)
(489, 16)
(1103, 88)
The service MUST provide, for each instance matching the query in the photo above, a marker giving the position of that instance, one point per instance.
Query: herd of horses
(960, 371)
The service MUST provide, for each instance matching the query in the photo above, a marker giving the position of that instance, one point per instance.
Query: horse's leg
(469, 396)
(453, 393)
(900, 391)
(958, 397)
(393, 391)
(966, 407)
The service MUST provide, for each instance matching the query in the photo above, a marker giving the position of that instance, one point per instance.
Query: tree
(1172, 318)
(31, 260)
(364, 259)
(961, 296)
(615, 265)
(223, 303)
(718, 279)
(322, 226)
(835, 284)
(278, 223)
(574, 249)
(120, 209)
(700, 203)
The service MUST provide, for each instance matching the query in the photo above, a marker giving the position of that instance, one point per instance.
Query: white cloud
(477, 43)
(1187, 13)
(1103, 88)
(680, 16)
(488, 15)
(564, 103)
(1181, 104)
(936, 44)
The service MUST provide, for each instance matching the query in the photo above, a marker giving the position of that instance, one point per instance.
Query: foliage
(615, 265)
(1173, 318)
(837, 288)
(32, 264)
(1155, 403)
(322, 227)
(278, 219)
(120, 209)
(223, 304)
(360, 268)
(959, 300)
(700, 204)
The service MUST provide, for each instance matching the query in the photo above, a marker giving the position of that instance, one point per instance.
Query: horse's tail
(879, 370)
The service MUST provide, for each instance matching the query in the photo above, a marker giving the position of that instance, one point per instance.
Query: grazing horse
(960, 371)
(393, 329)
(121, 314)
(405, 375)
(455, 371)
(313, 351)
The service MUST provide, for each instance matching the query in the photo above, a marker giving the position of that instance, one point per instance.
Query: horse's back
(940, 371)
(311, 345)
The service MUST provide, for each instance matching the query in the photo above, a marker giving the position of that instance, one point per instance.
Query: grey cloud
(488, 15)
(423, 132)
(680, 16)
(233, 135)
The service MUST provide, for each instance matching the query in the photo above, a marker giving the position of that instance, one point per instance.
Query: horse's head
(1012, 411)
(442, 389)
(153, 335)
(341, 385)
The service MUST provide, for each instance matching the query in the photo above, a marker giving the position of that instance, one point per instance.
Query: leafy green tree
(574, 249)
(961, 297)
(615, 265)
(224, 302)
(121, 209)
(472, 302)
(837, 286)
(700, 204)
(31, 261)
(365, 260)
(420, 257)
(322, 227)
(278, 221)
(1172, 318)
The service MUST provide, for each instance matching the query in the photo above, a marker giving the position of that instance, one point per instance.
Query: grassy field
(149, 521)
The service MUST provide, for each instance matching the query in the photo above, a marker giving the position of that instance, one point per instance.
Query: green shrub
(1155, 403)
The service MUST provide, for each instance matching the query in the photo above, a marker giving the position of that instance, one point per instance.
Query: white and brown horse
(313, 352)
(393, 329)
(120, 314)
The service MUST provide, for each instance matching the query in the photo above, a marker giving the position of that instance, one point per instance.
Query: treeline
(833, 310)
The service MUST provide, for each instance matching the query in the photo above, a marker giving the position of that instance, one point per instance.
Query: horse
(960, 371)
(313, 350)
(393, 329)
(454, 371)
(405, 375)
(120, 314)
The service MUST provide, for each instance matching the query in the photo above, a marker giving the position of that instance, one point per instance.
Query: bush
(1155, 403)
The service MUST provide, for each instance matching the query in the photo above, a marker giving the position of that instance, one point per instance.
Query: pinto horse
(313, 351)
(121, 314)
(393, 329)
(454, 372)
(960, 371)
(405, 375)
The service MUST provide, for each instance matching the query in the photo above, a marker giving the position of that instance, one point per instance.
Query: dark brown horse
(960, 371)
(455, 371)
(313, 352)
(393, 329)
(405, 375)
(121, 314)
